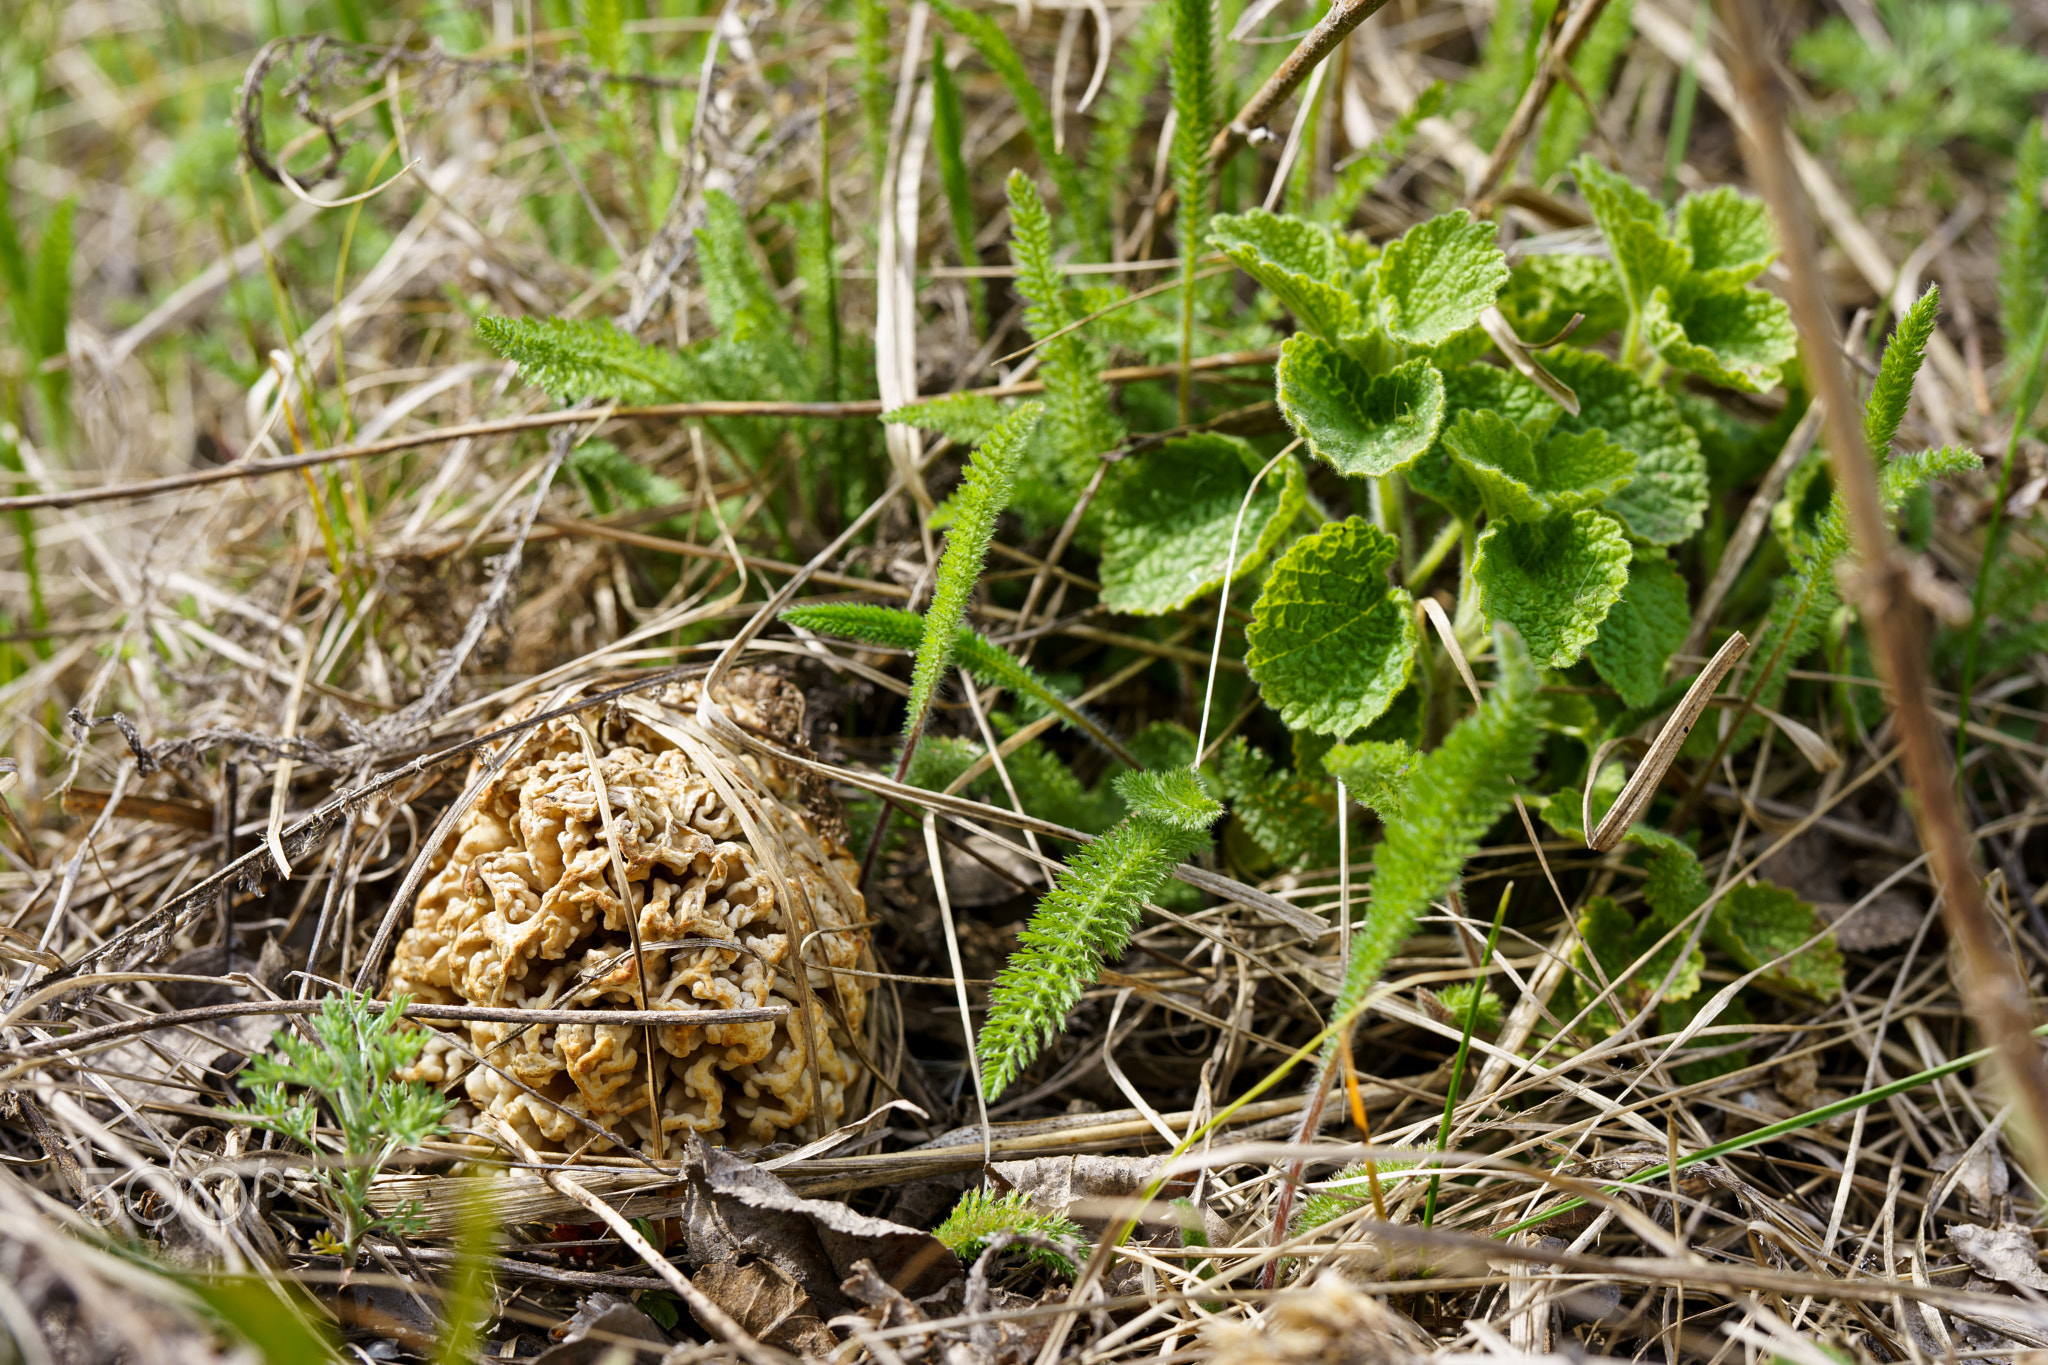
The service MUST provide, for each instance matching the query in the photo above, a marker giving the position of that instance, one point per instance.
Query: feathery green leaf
(983, 494)
(1896, 371)
(1084, 920)
(581, 359)
(1458, 791)
(979, 1216)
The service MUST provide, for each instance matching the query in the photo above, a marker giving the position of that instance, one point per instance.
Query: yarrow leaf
(1459, 790)
(979, 1216)
(1084, 920)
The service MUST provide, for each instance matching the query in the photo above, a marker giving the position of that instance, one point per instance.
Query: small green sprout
(351, 1066)
(979, 1216)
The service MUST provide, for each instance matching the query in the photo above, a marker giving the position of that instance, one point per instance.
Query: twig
(1560, 45)
(1992, 991)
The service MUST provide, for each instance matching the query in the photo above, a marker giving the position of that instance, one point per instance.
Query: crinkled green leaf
(1553, 580)
(1331, 642)
(1645, 256)
(964, 418)
(1358, 422)
(1167, 522)
(1667, 500)
(1740, 340)
(1439, 277)
(1643, 630)
(1617, 942)
(1297, 262)
(1378, 774)
(1545, 291)
(1757, 922)
(1519, 479)
(1729, 235)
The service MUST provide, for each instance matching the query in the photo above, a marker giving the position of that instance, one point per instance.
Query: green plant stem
(1443, 1128)
(1433, 557)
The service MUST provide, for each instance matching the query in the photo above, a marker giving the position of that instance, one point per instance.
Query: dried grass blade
(1635, 797)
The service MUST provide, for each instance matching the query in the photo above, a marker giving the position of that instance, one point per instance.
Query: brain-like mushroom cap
(727, 872)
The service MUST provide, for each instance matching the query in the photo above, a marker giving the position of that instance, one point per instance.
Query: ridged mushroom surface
(727, 869)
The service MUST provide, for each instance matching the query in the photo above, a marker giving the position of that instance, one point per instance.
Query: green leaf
(1740, 340)
(1667, 500)
(1331, 643)
(1296, 262)
(581, 359)
(963, 418)
(1520, 480)
(1896, 371)
(1645, 256)
(1168, 521)
(1729, 235)
(1439, 277)
(1553, 580)
(984, 491)
(1460, 789)
(1284, 812)
(1086, 918)
(1757, 922)
(1643, 630)
(979, 1216)
(1618, 942)
(1358, 423)
(1378, 773)
(1173, 795)
(1544, 291)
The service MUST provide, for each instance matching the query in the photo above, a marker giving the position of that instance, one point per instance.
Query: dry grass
(292, 667)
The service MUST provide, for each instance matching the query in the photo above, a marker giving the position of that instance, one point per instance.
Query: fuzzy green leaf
(1896, 371)
(1172, 795)
(1331, 642)
(1553, 580)
(1437, 279)
(984, 491)
(1460, 789)
(1667, 500)
(1645, 256)
(1296, 262)
(979, 1216)
(579, 359)
(963, 418)
(1619, 943)
(1729, 236)
(1378, 773)
(1168, 521)
(1086, 918)
(1357, 422)
(1757, 923)
(1642, 630)
(1521, 480)
(1740, 340)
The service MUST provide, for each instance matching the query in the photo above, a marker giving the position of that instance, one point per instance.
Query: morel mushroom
(525, 911)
